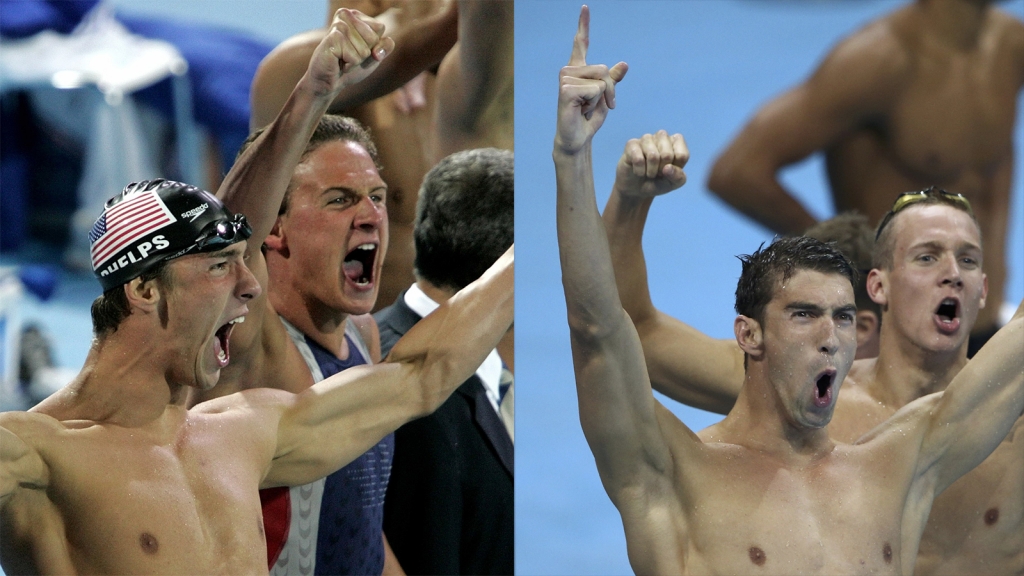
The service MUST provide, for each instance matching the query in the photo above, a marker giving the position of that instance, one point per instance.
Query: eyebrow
(348, 190)
(938, 246)
(233, 250)
(808, 307)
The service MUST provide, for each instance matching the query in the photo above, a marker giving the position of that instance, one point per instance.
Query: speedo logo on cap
(195, 212)
(132, 218)
(158, 242)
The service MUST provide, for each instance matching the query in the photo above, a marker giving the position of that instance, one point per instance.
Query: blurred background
(702, 68)
(95, 95)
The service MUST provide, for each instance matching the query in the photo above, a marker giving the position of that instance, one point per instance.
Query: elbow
(592, 329)
(739, 179)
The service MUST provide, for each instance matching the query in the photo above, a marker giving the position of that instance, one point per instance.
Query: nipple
(757, 556)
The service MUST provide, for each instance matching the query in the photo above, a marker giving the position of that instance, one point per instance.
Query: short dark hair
(885, 237)
(769, 267)
(331, 128)
(851, 233)
(111, 308)
(465, 216)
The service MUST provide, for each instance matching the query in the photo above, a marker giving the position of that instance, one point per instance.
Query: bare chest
(749, 516)
(978, 522)
(129, 506)
(953, 123)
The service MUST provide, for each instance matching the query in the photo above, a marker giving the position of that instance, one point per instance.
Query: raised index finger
(582, 39)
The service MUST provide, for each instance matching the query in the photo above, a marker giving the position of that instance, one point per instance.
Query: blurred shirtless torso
(924, 96)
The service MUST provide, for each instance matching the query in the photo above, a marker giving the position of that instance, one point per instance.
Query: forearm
(256, 184)
(588, 278)
(683, 363)
(449, 345)
(753, 188)
(418, 48)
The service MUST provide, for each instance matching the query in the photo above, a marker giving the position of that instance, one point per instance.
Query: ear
(276, 240)
(984, 291)
(145, 295)
(749, 336)
(878, 287)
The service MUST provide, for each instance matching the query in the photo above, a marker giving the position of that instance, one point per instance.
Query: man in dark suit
(449, 503)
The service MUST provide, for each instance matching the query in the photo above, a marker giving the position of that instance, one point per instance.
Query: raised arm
(683, 363)
(418, 47)
(977, 409)
(617, 408)
(852, 87)
(338, 419)
(256, 184)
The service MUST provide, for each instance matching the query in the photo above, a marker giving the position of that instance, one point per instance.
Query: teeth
(362, 282)
(238, 320)
(368, 246)
(222, 356)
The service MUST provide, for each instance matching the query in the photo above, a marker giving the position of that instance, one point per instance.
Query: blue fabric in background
(222, 63)
(24, 18)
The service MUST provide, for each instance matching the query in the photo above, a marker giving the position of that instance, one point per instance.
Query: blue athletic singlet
(333, 525)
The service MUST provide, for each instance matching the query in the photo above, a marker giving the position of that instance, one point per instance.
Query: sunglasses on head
(909, 198)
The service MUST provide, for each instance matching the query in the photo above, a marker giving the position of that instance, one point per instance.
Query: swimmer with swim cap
(112, 474)
(153, 221)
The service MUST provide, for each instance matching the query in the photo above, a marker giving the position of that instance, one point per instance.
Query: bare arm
(419, 47)
(617, 407)
(479, 67)
(977, 409)
(850, 89)
(21, 467)
(683, 363)
(257, 182)
(338, 419)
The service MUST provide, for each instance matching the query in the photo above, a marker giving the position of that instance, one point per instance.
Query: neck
(317, 320)
(904, 372)
(954, 23)
(759, 421)
(121, 383)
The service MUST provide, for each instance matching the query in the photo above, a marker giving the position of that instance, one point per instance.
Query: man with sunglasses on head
(928, 280)
(766, 490)
(113, 475)
(925, 95)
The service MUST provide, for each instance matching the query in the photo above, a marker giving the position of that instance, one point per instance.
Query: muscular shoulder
(31, 427)
(871, 63)
(1009, 36)
(278, 73)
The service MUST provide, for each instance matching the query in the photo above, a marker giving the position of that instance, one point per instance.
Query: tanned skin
(977, 525)
(714, 503)
(113, 475)
(401, 123)
(924, 96)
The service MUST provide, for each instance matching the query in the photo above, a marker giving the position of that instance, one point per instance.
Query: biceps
(795, 125)
(21, 466)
